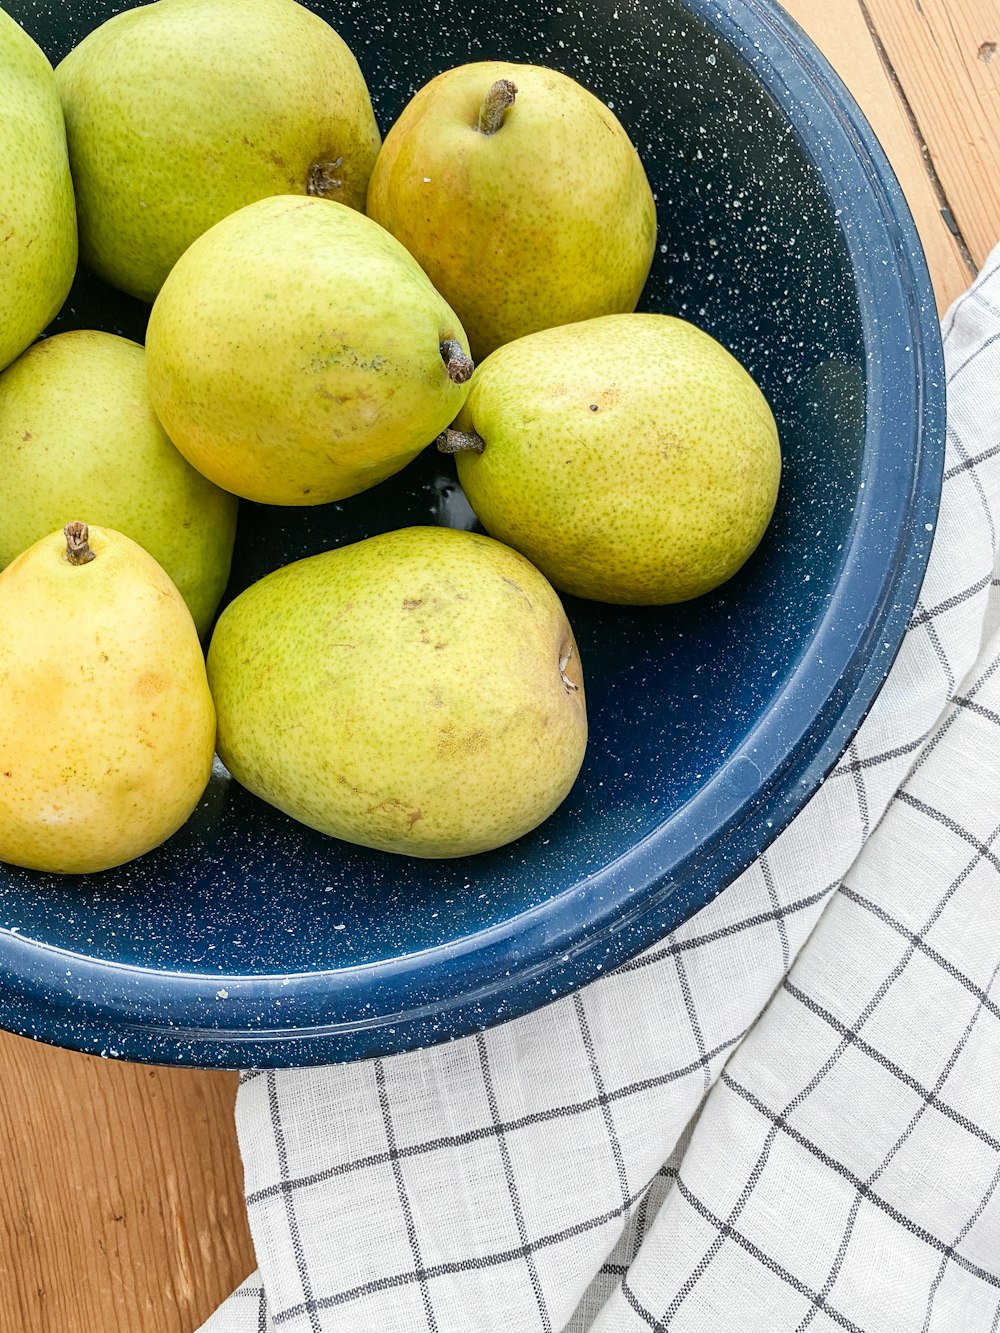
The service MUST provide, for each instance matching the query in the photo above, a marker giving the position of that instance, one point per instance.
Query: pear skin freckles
(38, 238)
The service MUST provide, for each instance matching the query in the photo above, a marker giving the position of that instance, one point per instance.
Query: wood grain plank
(122, 1203)
(945, 57)
(840, 30)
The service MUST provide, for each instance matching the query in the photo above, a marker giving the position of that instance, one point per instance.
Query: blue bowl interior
(710, 721)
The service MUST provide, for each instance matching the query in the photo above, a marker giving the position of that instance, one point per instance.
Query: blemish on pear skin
(517, 588)
(411, 603)
(394, 803)
(150, 684)
(453, 746)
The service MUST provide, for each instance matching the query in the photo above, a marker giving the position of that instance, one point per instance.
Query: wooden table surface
(121, 1209)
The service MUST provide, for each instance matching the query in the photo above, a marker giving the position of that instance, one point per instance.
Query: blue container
(250, 940)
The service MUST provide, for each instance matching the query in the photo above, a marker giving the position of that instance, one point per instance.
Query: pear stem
(457, 361)
(495, 106)
(455, 441)
(324, 178)
(77, 536)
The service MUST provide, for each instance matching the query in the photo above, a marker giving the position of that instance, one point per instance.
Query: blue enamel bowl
(248, 940)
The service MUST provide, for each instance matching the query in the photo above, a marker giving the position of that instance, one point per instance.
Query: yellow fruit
(78, 436)
(631, 458)
(181, 111)
(107, 727)
(520, 195)
(419, 692)
(37, 216)
(298, 355)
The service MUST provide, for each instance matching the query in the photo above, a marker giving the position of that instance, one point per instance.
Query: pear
(38, 243)
(297, 354)
(419, 692)
(182, 111)
(521, 196)
(630, 457)
(78, 436)
(106, 722)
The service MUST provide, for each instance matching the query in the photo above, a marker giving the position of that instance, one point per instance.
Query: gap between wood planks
(947, 212)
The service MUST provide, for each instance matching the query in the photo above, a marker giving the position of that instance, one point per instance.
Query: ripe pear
(78, 436)
(182, 111)
(297, 354)
(521, 196)
(106, 723)
(419, 692)
(38, 243)
(631, 457)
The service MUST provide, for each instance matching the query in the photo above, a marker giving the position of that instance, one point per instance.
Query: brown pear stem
(77, 536)
(455, 441)
(325, 178)
(457, 361)
(495, 106)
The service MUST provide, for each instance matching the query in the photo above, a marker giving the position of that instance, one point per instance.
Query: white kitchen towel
(785, 1116)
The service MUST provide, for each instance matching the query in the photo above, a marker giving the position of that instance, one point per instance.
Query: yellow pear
(631, 457)
(107, 727)
(38, 243)
(297, 354)
(520, 195)
(418, 692)
(181, 111)
(78, 436)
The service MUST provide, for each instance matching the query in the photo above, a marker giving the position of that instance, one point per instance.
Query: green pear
(297, 354)
(37, 215)
(521, 196)
(78, 436)
(107, 727)
(630, 457)
(182, 111)
(419, 692)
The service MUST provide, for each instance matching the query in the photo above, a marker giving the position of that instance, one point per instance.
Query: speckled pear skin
(547, 221)
(38, 240)
(107, 726)
(631, 458)
(182, 111)
(294, 353)
(418, 692)
(78, 436)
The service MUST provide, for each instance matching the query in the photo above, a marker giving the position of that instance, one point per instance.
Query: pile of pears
(325, 306)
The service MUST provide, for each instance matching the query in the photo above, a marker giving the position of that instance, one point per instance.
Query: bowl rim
(549, 950)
